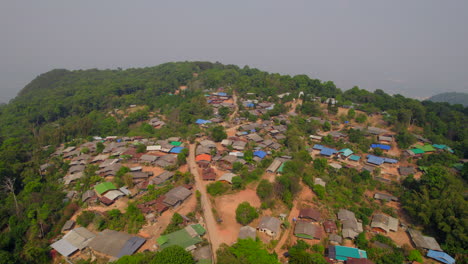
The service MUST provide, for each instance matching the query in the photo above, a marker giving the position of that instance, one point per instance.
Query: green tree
(415, 255)
(245, 213)
(218, 133)
(173, 255)
(351, 113)
(265, 189)
(245, 251)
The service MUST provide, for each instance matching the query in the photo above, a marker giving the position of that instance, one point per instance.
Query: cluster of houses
(108, 243)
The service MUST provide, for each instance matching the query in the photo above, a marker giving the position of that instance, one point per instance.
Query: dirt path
(236, 109)
(210, 223)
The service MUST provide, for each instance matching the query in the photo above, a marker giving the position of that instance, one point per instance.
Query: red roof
(209, 174)
(204, 157)
(310, 213)
(106, 200)
(330, 226)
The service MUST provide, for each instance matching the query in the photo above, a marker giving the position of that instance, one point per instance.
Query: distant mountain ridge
(451, 98)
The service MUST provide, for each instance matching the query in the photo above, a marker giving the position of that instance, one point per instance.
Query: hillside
(188, 153)
(451, 98)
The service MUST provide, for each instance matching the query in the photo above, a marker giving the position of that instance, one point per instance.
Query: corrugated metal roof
(132, 245)
(64, 247)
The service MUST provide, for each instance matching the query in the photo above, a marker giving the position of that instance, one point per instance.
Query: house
(344, 253)
(255, 137)
(202, 122)
(346, 152)
(208, 143)
(104, 187)
(246, 232)
(383, 223)
(227, 177)
(146, 158)
(100, 158)
(203, 157)
(260, 153)
(381, 146)
(72, 177)
(239, 145)
(274, 165)
(385, 138)
(405, 171)
(320, 181)
(310, 214)
(116, 244)
(106, 201)
(330, 226)
(185, 238)
(327, 151)
(359, 261)
(351, 227)
(113, 195)
(335, 239)
(76, 239)
(177, 196)
(226, 142)
(209, 174)
(426, 148)
(202, 255)
(68, 225)
(269, 225)
(202, 150)
(307, 230)
(176, 150)
(88, 195)
(424, 242)
(385, 197)
(166, 160)
(138, 176)
(376, 130)
(162, 178)
(76, 169)
(315, 138)
(336, 165)
(354, 158)
(441, 256)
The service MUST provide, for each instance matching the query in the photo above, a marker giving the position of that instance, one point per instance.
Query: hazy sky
(413, 47)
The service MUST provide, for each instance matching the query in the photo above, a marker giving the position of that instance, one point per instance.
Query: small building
(424, 242)
(351, 227)
(310, 214)
(330, 226)
(104, 187)
(246, 232)
(344, 253)
(385, 197)
(68, 225)
(383, 223)
(307, 230)
(335, 239)
(405, 171)
(441, 256)
(227, 177)
(116, 244)
(381, 146)
(269, 225)
(76, 239)
(89, 194)
(162, 178)
(274, 165)
(320, 181)
(177, 196)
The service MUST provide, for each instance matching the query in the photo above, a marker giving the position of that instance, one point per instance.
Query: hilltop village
(236, 180)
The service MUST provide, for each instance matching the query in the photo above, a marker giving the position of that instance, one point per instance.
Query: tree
(223, 112)
(415, 255)
(245, 251)
(245, 213)
(217, 188)
(320, 164)
(326, 126)
(218, 133)
(351, 113)
(237, 183)
(173, 255)
(264, 189)
(361, 118)
(141, 148)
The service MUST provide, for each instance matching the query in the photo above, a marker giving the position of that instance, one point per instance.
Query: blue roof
(222, 94)
(381, 146)
(375, 160)
(441, 256)
(354, 157)
(318, 146)
(328, 151)
(176, 150)
(260, 153)
(202, 121)
(387, 160)
(343, 253)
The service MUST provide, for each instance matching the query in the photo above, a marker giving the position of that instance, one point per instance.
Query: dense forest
(61, 106)
(452, 98)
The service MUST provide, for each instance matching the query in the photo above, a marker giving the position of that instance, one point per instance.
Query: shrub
(217, 188)
(245, 213)
(85, 218)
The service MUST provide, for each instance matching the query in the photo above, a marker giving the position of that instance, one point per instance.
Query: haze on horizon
(417, 48)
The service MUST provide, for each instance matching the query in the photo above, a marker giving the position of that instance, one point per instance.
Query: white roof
(227, 177)
(113, 194)
(79, 237)
(336, 166)
(64, 247)
(153, 148)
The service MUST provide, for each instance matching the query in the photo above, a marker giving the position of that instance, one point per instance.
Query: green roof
(180, 238)
(199, 229)
(417, 151)
(104, 187)
(346, 152)
(439, 146)
(176, 143)
(281, 167)
(458, 166)
(426, 148)
(343, 253)
(304, 236)
(354, 157)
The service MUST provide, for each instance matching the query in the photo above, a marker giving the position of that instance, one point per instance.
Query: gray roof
(247, 232)
(76, 169)
(422, 241)
(274, 165)
(116, 244)
(208, 143)
(305, 228)
(161, 178)
(405, 171)
(88, 194)
(79, 237)
(202, 150)
(271, 223)
(64, 247)
(229, 158)
(177, 194)
(68, 225)
(385, 222)
(376, 130)
(148, 158)
(227, 177)
(255, 137)
(344, 214)
(385, 138)
(335, 238)
(383, 196)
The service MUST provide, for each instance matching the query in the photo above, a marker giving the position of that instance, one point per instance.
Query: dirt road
(236, 109)
(210, 223)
